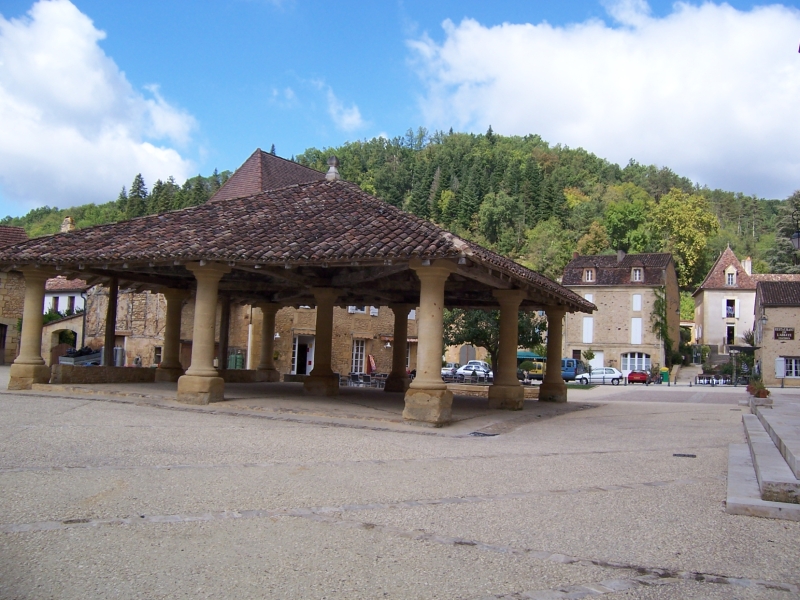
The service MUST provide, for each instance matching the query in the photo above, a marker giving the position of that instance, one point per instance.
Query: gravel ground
(113, 500)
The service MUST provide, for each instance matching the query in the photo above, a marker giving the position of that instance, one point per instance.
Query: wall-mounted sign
(784, 333)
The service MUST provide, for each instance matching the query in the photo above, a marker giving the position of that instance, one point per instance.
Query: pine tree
(122, 200)
(137, 198)
(271, 151)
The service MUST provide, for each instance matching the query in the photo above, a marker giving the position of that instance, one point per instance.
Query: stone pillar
(428, 401)
(322, 381)
(170, 368)
(398, 379)
(553, 388)
(224, 332)
(110, 337)
(202, 383)
(506, 391)
(266, 370)
(29, 367)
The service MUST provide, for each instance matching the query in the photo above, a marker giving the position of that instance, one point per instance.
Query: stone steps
(762, 474)
(776, 480)
(783, 426)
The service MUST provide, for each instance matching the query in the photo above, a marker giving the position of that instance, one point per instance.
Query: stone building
(624, 288)
(724, 303)
(324, 243)
(777, 316)
(12, 296)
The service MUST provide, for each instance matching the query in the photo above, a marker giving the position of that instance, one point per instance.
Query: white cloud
(710, 91)
(345, 118)
(74, 129)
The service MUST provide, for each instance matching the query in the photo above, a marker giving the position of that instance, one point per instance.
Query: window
(412, 316)
(636, 330)
(576, 354)
(730, 337)
(636, 302)
(730, 278)
(588, 329)
(635, 361)
(588, 274)
(71, 303)
(373, 311)
(357, 365)
(792, 367)
(54, 304)
(730, 308)
(157, 355)
(636, 274)
(589, 297)
(357, 310)
(408, 356)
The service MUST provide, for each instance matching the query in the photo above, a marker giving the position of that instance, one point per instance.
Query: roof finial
(67, 225)
(333, 171)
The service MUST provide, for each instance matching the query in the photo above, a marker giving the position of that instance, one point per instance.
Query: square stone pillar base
(428, 407)
(397, 384)
(200, 390)
(169, 374)
(22, 377)
(507, 397)
(321, 385)
(268, 375)
(553, 392)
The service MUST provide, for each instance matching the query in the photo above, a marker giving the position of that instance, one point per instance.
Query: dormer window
(730, 278)
(636, 274)
(588, 275)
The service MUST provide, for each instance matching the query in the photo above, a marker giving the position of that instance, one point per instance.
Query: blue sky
(92, 92)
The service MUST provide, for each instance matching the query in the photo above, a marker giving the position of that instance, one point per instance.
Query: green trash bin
(664, 375)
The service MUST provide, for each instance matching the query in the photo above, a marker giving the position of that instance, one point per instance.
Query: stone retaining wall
(77, 374)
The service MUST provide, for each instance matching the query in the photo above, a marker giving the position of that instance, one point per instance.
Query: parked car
(639, 377)
(449, 369)
(537, 372)
(480, 363)
(571, 368)
(601, 375)
(474, 372)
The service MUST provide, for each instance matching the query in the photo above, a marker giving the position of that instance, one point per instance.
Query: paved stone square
(119, 497)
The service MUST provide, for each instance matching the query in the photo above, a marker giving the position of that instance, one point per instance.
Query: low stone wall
(482, 391)
(238, 375)
(77, 374)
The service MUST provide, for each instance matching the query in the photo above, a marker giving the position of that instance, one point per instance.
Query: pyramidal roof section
(716, 276)
(261, 172)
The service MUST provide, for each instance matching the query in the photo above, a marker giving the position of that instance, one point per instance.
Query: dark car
(639, 377)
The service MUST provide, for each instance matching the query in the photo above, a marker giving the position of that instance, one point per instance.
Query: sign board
(784, 333)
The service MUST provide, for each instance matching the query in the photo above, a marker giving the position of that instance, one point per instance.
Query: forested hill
(520, 196)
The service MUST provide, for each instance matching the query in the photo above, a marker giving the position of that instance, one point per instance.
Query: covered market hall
(279, 234)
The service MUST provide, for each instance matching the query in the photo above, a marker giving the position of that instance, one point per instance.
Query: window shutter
(780, 367)
(637, 302)
(636, 330)
(351, 309)
(588, 329)
(373, 311)
(589, 297)
(736, 308)
(724, 308)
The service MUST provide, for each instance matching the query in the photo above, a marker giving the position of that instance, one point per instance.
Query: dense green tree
(137, 198)
(595, 241)
(482, 328)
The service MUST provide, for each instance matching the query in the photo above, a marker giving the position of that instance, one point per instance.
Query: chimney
(747, 265)
(620, 255)
(67, 225)
(333, 171)
(575, 254)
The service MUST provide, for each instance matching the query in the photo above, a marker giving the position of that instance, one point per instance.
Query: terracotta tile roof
(11, 235)
(774, 277)
(264, 171)
(778, 293)
(715, 280)
(62, 284)
(321, 224)
(609, 270)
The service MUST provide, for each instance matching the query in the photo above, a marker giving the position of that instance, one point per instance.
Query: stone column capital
(437, 269)
(269, 307)
(208, 271)
(174, 294)
(509, 298)
(555, 312)
(36, 274)
(322, 294)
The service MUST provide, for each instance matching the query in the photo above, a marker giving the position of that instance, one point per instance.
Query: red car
(639, 377)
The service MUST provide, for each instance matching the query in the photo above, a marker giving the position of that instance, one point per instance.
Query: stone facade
(12, 299)
(778, 318)
(620, 332)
